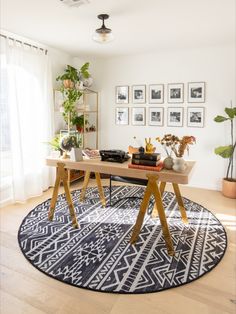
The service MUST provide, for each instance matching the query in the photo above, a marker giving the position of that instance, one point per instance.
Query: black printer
(114, 155)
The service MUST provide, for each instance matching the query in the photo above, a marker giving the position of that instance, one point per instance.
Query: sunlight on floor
(227, 220)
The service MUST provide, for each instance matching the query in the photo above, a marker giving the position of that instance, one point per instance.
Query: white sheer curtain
(27, 121)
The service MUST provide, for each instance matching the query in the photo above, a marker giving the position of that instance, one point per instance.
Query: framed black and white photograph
(156, 94)
(196, 92)
(156, 116)
(176, 93)
(138, 116)
(139, 94)
(122, 115)
(195, 117)
(175, 116)
(122, 94)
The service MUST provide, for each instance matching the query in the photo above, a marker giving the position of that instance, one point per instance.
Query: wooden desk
(97, 166)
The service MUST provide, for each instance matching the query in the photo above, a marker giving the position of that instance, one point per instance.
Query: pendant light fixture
(103, 34)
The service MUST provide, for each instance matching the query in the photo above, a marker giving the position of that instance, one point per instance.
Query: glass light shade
(103, 37)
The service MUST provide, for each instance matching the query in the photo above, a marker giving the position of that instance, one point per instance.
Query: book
(91, 153)
(151, 168)
(153, 156)
(145, 162)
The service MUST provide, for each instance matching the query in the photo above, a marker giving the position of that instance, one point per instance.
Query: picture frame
(122, 115)
(138, 115)
(195, 117)
(156, 94)
(58, 100)
(122, 94)
(156, 116)
(75, 133)
(175, 116)
(175, 93)
(196, 92)
(139, 94)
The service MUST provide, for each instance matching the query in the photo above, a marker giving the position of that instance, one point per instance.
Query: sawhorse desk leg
(179, 201)
(153, 189)
(162, 189)
(62, 175)
(99, 186)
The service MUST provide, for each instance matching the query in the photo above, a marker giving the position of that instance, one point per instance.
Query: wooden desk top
(121, 169)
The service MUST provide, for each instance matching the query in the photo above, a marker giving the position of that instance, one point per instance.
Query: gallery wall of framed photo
(171, 105)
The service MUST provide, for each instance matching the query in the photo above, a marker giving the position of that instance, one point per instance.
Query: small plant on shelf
(80, 122)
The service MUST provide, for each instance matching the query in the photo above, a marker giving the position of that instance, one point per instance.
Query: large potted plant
(72, 76)
(229, 182)
(71, 81)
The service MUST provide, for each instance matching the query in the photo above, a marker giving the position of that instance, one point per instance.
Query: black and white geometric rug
(98, 255)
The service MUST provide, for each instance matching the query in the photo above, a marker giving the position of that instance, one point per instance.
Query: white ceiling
(138, 26)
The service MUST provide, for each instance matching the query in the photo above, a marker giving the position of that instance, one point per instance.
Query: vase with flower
(177, 146)
(167, 142)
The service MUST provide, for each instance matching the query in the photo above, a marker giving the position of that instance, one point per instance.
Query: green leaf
(220, 119)
(224, 151)
(230, 112)
(234, 109)
(84, 70)
(85, 67)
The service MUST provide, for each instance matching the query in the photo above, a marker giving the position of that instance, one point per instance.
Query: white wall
(213, 65)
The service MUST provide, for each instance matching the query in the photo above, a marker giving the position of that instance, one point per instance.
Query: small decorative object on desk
(179, 164)
(76, 154)
(141, 149)
(136, 146)
(67, 142)
(172, 143)
(168, 163)
(132, 149)
(149, 148)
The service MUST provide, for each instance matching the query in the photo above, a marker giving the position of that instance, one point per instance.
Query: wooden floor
(24, 289)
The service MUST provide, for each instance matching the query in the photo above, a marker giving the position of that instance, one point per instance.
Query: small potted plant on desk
(229, 182)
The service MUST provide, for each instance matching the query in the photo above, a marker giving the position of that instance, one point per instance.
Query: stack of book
(146, 161)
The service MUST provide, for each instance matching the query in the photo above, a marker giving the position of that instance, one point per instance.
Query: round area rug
(98, 255)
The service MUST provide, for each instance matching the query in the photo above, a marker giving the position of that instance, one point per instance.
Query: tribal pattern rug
(98, 255)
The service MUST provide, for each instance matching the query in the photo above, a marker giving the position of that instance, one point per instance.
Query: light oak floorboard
(24, 289)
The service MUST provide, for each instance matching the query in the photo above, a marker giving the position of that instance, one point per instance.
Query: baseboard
(215, 187)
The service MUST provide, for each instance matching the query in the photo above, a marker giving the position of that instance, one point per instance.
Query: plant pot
(79, 128)
(68, 84)
(168, 163)
(179, 164)
(76, 154)
(229, 188)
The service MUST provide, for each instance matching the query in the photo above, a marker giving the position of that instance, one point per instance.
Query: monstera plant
(229, 182)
